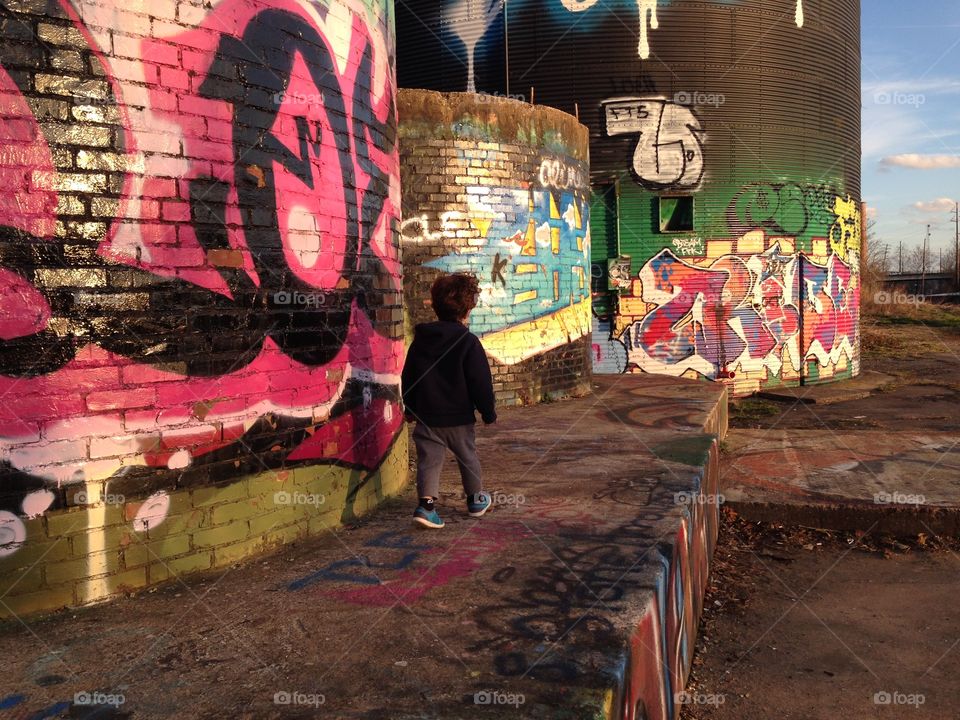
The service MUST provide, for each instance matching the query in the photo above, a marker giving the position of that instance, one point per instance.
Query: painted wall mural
(515, 212)
(533, 267)
(198, 247)
(745, 310)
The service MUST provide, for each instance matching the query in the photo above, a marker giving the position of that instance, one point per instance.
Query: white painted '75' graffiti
(669, 152)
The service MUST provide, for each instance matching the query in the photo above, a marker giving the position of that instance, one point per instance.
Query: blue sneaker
(427, 518)
(478, 504)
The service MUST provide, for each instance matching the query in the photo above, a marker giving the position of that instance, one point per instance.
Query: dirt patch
(921, 353)
(806, 623)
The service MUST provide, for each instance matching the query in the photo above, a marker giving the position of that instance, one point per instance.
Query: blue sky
(911, 119)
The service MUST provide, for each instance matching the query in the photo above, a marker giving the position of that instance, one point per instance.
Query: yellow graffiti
(845, 233)
(515, 344)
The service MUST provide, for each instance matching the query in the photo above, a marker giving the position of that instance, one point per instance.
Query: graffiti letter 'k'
(497, 272)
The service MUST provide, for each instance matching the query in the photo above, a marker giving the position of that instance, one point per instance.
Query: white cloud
(908, 86)
(922, 162)
(940, 205)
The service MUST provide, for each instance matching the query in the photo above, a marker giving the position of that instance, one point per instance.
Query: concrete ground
(866, 452)
(525, 612)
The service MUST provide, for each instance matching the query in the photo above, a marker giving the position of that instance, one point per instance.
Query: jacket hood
(437, 337)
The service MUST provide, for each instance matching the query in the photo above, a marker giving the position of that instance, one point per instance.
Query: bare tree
(916, 261)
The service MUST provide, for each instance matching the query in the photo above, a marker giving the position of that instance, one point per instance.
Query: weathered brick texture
(500, 189)
(201, 300)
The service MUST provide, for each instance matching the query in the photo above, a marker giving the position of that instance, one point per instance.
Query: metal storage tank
(726, 222)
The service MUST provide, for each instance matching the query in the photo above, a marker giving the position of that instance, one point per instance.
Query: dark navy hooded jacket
(446, 376)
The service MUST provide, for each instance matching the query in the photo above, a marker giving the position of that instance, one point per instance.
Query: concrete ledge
(577, 596)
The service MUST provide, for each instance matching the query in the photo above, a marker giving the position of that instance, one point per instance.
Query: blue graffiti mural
(535, 259)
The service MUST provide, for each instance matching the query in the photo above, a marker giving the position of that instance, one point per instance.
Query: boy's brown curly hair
(454, 296)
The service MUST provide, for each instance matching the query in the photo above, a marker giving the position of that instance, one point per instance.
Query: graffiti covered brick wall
(724, 136)
(201, 318)
(500, 189)
(755, 309)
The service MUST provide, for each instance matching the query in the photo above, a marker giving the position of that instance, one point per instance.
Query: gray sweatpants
(432, 444)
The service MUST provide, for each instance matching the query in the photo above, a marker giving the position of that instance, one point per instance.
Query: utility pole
(885, 249)
(956, 248)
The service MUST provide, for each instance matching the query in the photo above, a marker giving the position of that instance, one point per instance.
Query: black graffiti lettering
(496, 273)
(188, 328)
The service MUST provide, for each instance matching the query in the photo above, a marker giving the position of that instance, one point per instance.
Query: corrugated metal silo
(725, 162)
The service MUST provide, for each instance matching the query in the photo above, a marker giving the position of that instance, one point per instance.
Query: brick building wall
(500, 189)
(201, 317)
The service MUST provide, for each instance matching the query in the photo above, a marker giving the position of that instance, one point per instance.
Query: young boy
(445, 377)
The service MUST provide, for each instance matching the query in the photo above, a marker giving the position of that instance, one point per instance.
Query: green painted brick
(285, 534)
(174, 567)
(83, 519)
(227, 524)
(178, 524)
(33, 553)
(93, 565)
(19, 582)
(144, 553)
(46, 600)
(124, 581)
(35, 529)
(323, 522)
(242, 510)
(235, 552)
(221, 534)
(326, 479)
(267, 483)
(180, 502)
(227, 493)
(116, 537)
(280, 517)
